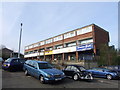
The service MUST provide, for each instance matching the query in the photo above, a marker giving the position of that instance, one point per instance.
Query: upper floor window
(48, 41)
(35, 45)
(70, 44)
(42, 43)
(58, 46)
(31, 46)
(26, 47)
(84, 30)
(70, 34)
(86, 41)
(58, 38)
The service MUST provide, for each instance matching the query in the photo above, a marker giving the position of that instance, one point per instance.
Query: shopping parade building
(75, 46)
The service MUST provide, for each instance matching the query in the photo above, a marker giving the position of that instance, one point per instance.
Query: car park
(77, 72)
(104, 73)
(43, 70)
(13, 64)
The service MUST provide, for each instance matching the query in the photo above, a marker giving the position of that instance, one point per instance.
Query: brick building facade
(73, 46)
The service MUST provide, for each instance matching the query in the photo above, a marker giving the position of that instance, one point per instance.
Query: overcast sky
(42, 20)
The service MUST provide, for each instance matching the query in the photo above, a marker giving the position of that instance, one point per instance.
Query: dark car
(43, 70)
(104, 73)
(77, 72)
(13, 64)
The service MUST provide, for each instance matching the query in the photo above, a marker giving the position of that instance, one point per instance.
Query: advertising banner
(84, 47)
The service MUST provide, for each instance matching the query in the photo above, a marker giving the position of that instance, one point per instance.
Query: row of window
(60, 37)
(70, 44)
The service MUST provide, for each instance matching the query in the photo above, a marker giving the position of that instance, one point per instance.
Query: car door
(99, 72)
(67, 71)
(94, 72)
(21, 63)
(35, 69)
(15, 64)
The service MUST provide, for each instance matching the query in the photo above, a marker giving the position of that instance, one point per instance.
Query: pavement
(19, 80)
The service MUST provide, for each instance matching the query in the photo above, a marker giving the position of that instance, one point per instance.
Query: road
(19, 80)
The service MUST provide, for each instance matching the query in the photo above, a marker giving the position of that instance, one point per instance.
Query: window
(26, 47)
(48, 41)
(86, 41)
(31, 46)
(84, 30)
(45, 65)
(58, 46)
(35, 45)
(68, 68)
(34, 65)
(74, 69)
(58, 38)
(82, 68)
(70, 44)
(42, 43)
(49, 48)
(70, 34)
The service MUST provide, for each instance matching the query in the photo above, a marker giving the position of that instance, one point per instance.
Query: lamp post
(20, 41)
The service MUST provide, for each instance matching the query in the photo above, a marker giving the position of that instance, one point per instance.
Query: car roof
(38, 61)
(15, 58)
(75, 65)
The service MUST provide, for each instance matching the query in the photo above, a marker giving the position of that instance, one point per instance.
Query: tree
(108, 55)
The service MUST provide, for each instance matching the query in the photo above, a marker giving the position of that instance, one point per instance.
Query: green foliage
(108, 56)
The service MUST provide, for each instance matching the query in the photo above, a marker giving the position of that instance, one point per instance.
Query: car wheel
(26, 73)
(109, 77)
(42, 80)
(75, 77)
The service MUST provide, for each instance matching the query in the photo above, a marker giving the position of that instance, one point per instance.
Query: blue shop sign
(85, 47)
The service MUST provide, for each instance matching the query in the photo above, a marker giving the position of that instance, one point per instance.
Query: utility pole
(20, 41)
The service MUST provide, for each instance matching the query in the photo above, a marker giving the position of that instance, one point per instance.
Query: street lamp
(20, 41)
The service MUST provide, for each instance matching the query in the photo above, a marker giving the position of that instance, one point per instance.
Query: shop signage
(84, 47)
(48, 52)
(64, 50)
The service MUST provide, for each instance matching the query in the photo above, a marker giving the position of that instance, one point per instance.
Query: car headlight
(115, 73)
(8, 64)
(49, 75)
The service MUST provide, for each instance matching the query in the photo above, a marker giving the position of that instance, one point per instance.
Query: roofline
(61, 34)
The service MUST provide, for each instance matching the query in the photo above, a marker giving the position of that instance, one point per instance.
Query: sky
(42, 20)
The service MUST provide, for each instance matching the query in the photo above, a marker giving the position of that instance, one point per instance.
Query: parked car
(77, 72)
(13, 64)
(43, 70)
(115, 68)
(104, 73)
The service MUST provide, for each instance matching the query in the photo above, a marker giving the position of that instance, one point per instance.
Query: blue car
(43, 71)
(13, 64)
(104, 73)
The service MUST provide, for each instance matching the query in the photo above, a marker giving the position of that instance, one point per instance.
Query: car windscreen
(8, 60)
(82, 68)
(45, 65)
